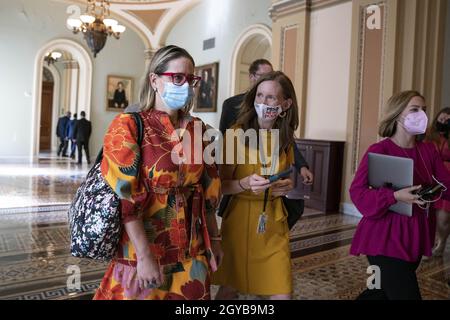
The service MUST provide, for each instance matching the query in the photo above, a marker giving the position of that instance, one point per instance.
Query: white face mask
(267, 113)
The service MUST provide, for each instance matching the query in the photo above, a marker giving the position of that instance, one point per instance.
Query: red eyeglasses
(179, 79)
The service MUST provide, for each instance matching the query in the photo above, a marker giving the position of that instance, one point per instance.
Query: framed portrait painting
(119, 91)
(206, 90)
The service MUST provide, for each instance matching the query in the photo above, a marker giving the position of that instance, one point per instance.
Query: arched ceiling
(151, 19)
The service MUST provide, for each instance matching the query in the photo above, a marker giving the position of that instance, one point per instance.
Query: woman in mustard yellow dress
(256, 246)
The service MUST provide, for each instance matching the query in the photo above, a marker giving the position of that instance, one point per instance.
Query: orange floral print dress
(173, 201)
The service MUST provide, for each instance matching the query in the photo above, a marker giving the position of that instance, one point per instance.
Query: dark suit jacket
(230, 111)
(83, 130)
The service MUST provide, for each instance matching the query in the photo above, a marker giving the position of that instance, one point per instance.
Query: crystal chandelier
(96, 25)
(52, 56)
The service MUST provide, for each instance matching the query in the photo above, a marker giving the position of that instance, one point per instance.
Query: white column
(73, 104)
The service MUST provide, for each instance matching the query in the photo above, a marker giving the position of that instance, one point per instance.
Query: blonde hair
(159, 64)
(394, 107)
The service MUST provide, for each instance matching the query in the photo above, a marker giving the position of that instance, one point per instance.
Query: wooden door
(319, 157)
(300, 188)
(46, 117)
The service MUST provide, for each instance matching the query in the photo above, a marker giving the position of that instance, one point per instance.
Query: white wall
(223, 20)
(329, 73)
(26, 26)
(446, 80)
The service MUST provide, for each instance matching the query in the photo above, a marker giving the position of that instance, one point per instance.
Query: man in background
(71, 135)
(61, 133)
(231, 106)
(82, 134)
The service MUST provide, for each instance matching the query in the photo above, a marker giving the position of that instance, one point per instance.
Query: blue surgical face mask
(176, 97)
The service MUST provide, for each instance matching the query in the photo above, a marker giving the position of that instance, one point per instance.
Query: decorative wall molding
(283, 42)
(155, 38)
(286, 15)
(287, 7)
(149, 54)
(321, 4)
(360, 76)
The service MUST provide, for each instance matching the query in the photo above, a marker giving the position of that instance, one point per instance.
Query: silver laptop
(393, 172)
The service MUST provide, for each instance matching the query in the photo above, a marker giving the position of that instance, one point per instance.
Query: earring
(283, 114)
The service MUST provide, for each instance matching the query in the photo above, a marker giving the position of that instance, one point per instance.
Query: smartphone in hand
(280, 175)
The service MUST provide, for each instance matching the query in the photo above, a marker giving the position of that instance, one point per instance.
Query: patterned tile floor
(35, 263)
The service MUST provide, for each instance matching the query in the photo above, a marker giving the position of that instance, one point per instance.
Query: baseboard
(350, 209)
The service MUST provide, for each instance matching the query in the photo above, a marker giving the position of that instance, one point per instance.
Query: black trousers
(85, 145)
(63, 143)
(398, 280)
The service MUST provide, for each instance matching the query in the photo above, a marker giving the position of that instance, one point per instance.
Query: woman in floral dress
(170, 242)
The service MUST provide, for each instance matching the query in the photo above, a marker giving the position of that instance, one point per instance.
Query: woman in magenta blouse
(394, 242)
(438, 133)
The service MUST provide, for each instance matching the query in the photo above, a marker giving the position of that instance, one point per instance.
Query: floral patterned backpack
(94, 214)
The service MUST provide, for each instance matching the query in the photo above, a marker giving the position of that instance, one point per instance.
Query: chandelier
(52, 56)
(96, 25)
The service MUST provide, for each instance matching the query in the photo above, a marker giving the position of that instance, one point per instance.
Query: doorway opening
(71, 91)
(254, 43)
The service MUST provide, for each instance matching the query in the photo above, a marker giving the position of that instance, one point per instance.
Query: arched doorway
(254, 43)
(83, 83)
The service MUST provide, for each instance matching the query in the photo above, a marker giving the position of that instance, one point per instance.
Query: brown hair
(394, 107)
(255, 65)
(248, 118)
(159, 64)
(433, 134)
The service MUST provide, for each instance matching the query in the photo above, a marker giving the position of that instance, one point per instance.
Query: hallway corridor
(34, 243)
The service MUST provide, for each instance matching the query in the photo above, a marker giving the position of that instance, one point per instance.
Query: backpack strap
(139, 125)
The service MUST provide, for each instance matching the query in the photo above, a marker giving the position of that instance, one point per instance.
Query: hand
(148, 272)
(216, 247)
(443, 117)
(255, 183)
(307, 176)
(282, 187)
(406, 195)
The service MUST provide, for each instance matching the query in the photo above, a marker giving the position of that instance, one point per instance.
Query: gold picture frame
(117, 99)
(206, 90)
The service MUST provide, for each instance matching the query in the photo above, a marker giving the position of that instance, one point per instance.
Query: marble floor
(35, 262)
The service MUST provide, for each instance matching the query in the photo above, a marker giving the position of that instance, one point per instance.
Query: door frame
(55, 108)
